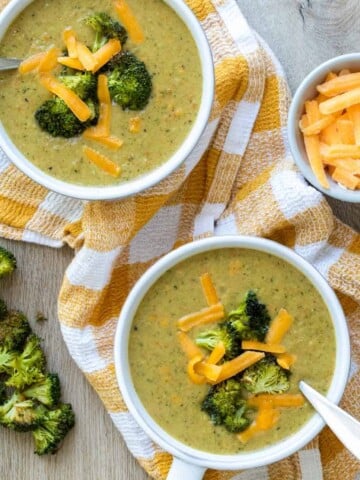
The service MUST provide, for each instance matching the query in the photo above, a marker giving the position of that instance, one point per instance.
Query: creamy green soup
(171, 57)
(158, 365)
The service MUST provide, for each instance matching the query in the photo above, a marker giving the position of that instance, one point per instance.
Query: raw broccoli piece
(250, 320)
(225, 406)
(47, 392)
(55, 118)
(210, 338)
(7, 359)
(105, 28)
(3, 309)
(7, 262)
(40, 317)
(14, 330)
(19, 414)
(266, 376)
(29, 366)
(54, 425)
(129, 82)
(84, 84)
(22, 367)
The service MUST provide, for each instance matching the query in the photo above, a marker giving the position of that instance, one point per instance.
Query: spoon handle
(345, 427)
(9, 63)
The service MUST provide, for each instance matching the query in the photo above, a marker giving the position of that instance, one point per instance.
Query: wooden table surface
(303, 33)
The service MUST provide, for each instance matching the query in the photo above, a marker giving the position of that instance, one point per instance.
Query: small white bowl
(307, 91)
(190, 463)
(8, 15)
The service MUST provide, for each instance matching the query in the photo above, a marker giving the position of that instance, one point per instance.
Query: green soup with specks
(171, 57)
(158, 365)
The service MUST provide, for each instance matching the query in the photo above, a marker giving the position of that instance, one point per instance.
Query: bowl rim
(246, 460)
(151, 178)
(314, 77)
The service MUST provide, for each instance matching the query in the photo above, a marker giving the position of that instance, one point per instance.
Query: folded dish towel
(243, 181)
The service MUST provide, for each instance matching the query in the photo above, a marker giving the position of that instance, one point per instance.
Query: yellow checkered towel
(239, 180)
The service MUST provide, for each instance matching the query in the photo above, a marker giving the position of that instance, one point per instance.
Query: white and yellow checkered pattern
(240, 179)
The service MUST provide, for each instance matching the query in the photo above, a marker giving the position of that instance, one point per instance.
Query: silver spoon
(9, 63)
(344, 426)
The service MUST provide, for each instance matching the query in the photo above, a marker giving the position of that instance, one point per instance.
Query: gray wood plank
(93, 449)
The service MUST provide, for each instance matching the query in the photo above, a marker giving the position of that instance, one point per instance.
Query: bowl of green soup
(111, 98)
(211, 345)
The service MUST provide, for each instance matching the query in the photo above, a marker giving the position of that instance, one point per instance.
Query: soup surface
(158, 365)
(165, 122)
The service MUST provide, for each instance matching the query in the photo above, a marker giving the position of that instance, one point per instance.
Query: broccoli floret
(29, 366)
(55, 118)
(129, 82)
(7, 359)
(221, 400)
(14, 330)
(225, 406)
(210, 338)
(121, 61)
(239, 421)
(54, 425)
(3, 309)
(19, 414)
(22, 367)
(7, 262)
(94, 109)
(46, 392)
(105, 28)
(250, 320)
(84, 84)
(266, 376)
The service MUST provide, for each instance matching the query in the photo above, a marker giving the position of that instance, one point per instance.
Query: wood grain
(93, 450)
(302, 34)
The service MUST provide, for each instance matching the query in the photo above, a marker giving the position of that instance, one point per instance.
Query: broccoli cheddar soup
(219, 344)
(154, 104)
